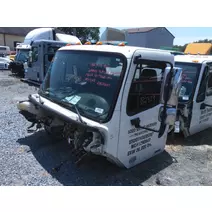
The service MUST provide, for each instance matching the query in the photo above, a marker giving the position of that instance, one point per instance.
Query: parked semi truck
(24, 48)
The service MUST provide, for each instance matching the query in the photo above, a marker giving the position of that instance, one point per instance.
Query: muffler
(27, 106)
(30, 113)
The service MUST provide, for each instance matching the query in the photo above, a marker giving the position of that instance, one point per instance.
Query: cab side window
(34, 54)
(145, 88)
(209, 84)
(51, 52)
(203, 86)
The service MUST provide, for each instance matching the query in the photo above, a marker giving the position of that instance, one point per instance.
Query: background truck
(195, 97)
(23, 49)
(42, 53)
(22, 55)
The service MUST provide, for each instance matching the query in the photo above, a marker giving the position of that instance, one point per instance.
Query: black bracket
(136, 122)
(203, 106)
(135, 61)
(208, 105)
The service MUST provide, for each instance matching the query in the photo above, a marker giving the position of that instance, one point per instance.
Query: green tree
(203, 41)
(83, 33)
(180, 47)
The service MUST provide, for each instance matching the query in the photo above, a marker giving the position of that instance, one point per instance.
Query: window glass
(190, 71)
(203, 86)
(209, 84)
(145, 89)
(34, 54)
(90, 80)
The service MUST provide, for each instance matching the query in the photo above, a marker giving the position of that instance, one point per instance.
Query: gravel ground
(34, 159)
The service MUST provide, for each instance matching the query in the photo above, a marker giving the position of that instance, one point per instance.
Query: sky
(184, 35)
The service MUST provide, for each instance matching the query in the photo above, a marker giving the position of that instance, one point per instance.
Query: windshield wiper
(75, 107)
(67, 105)
(78, 113)
(64, 103)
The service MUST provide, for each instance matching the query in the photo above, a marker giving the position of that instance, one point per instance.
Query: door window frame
(203, 84)
(209, 91)
(158, 65)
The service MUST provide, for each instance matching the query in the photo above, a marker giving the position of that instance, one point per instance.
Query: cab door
(206, 106)
(199, 113)
(33, 70)
(50, 51)
(141, 106)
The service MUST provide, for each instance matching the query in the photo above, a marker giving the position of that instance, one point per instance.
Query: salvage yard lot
(35, 159)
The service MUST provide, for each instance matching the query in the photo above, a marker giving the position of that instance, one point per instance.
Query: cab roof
(193, 58)
(49, 41)
(127, 51)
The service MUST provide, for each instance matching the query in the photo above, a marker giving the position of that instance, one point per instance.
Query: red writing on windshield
(103, 84)
(96, 71)
(90, 80)
(97, 74)
(98, 65)
(102, 76)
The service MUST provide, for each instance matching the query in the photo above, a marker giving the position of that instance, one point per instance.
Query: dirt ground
(34, 159)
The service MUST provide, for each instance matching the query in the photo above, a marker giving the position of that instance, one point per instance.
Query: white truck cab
(113, 101)
(195, 98)
(22, 52)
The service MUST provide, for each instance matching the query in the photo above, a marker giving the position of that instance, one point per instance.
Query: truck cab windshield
(88, 79)
(22, 55)
(190, 73)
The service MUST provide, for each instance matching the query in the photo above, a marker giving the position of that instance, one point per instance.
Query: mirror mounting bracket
(203, 106)
(136, 122)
